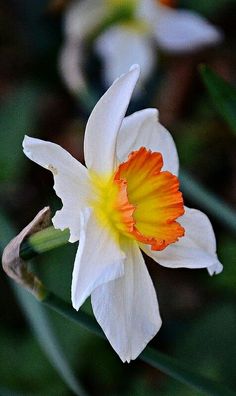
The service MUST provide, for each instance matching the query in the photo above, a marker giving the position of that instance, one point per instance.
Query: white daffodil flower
(131, 39)
(126, 199)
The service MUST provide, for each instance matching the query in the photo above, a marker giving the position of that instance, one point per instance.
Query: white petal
(180, 30)
(121, 47)
(215, 269)
(197, 249)
(143, 129)
(99, 259)
(82, 17)
(127, 308)
(148, 11)
(70, 177)
(104, 123)
(71, 65)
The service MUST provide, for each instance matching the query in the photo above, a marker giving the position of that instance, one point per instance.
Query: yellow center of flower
(123, 13)
(139, 201)
(122, 3)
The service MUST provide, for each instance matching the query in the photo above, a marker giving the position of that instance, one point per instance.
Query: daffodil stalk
(43, 241)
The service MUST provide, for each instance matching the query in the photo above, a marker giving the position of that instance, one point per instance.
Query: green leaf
(213, 205)
(175, 369)
(222, 94)
(24, 367)
(164, 363)
(38, 320)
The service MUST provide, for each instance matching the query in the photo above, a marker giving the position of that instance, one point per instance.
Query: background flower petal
(197, 249)
(180, 30)
(127, 308)
(71, 65)
(70, 181)
(143, 129)
(105, 121)
(120, 47)
(99, 259)
(81, 18)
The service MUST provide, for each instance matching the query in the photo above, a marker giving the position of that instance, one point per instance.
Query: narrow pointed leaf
(162, 362)
(39, 322)
(209, 202)
(222, 94)
(181, 373)
(37, 316)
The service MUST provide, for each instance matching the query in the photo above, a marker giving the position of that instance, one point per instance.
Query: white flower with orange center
(126, 199)
(127, 32)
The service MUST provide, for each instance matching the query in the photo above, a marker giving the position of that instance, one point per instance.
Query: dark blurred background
(198, 311)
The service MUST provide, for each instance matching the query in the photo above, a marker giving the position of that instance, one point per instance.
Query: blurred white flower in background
(127, 32)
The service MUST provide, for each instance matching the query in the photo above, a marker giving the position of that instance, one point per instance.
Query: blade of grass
(39, 322)
(181, 373)
(212, 204)
(168, 365)
(223, 95)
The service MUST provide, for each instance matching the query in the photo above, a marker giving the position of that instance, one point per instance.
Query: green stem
(164, 363)
(213, 205)
(43, 241)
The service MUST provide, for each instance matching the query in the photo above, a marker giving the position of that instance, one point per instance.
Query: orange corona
(140, 201)
(168, 3)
